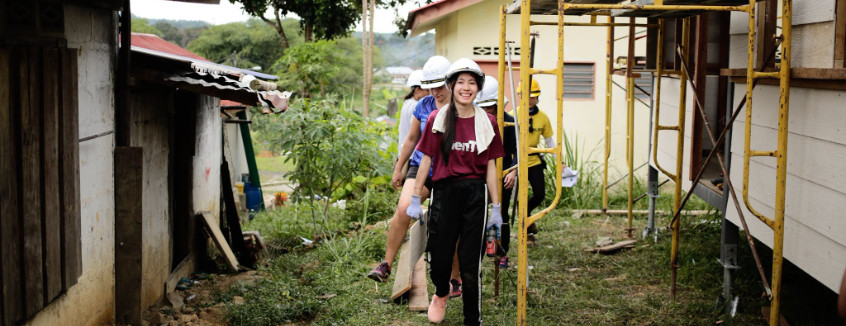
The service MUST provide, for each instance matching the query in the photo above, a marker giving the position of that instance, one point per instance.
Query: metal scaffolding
(680, 9)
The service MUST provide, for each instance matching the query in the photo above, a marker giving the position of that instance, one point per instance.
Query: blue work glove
(495, 220)
(414, 210)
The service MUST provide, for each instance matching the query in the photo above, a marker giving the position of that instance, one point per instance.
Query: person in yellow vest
(538, 126)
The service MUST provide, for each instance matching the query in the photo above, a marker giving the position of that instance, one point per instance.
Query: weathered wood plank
(840, 34)
(51, 219)
(69, 174)
(402, 273)
(236, 237)
(129, 163)
(11, 309)
(614, 247)
(418, 299)
(219, 240)
(30, 81)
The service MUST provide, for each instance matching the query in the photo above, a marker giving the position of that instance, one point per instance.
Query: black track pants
(458, 213)
(538, 191)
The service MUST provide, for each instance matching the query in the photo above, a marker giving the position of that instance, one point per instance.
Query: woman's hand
(510, 178)
(396, 179)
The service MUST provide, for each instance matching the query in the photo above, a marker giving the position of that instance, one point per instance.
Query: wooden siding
(39, 198)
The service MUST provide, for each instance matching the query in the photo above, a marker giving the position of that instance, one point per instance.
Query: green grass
(273, 164)
(325, 285)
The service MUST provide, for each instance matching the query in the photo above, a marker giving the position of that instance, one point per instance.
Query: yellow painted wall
(478, 25)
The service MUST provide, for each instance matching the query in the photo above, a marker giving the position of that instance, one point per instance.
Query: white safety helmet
(466, 65)
(414, 78)
(488, 95)
(434, 72)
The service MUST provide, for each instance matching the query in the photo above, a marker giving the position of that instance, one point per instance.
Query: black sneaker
(380, 273)
(455, 290)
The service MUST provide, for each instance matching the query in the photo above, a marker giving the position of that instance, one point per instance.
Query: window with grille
(579, 80)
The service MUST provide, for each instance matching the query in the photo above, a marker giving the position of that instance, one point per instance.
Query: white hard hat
(466, 65)
(414, 78)
(488, 95)
(434, 72)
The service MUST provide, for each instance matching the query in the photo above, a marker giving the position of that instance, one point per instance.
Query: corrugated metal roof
(153, 42)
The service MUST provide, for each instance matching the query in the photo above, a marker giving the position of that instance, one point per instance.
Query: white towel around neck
(483, 128)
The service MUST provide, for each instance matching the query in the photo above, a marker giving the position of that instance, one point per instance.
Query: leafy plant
(329, 147)
(587, 192)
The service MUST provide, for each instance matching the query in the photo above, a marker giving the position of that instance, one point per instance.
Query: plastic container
(240, 186)
(253, 195)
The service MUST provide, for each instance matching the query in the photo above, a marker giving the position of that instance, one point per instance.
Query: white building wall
(91, 300)
(206, 179)
(815, 196)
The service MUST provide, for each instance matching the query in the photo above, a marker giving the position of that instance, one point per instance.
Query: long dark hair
(411, 93)
(452, 114)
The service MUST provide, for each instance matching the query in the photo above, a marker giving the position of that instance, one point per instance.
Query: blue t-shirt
(421, 113)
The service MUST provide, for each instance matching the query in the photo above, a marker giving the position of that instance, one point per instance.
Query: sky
(226, 12)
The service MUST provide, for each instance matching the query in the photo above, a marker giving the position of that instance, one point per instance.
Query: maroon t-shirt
(464, 161)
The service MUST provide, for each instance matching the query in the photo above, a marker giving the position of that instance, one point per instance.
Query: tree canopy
(242, 44)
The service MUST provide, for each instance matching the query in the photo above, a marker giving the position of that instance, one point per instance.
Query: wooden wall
(39, 163)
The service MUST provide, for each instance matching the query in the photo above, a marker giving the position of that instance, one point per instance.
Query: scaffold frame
(640, 9)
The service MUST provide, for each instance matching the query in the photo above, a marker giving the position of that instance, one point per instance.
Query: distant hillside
(399, 51)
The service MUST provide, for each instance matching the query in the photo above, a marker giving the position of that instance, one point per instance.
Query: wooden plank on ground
(30, 112)
(409, 253)
(219, 240)
(402, 273)
(50, 167)
(418, 299)
(614, 247)
(184, 269)
(11, 309)
(69, 173)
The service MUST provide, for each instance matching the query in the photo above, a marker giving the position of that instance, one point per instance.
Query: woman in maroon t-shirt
(461, 142)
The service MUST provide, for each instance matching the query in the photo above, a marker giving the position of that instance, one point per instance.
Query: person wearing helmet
(414, 95)
(538, 126)
(432, 80)
(461, 143)
(487, 100)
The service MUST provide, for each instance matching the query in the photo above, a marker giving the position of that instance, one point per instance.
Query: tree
(141, 25)
(244, 44)
(320, 19)
(322, 68)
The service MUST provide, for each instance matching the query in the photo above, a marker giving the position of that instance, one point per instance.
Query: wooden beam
(699, 79)
(418, 298)
(11, 308)
(51, 220)
(31, 182)
(69, 174)
(129, 170)
(840, 35)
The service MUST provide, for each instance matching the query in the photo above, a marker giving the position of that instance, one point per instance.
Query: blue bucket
(253, 195)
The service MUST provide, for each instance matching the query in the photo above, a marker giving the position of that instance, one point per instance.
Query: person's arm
(509, 179)
(492, 180)
(405, 152)
(422, 174)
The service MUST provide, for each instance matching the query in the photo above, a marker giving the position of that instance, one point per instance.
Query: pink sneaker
(437, 309)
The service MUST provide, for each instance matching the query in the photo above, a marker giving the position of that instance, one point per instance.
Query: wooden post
(128, 230)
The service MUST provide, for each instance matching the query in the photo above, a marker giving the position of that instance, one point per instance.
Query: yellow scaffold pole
(630, 85)
(674, 251)
(608, 93)
(523, 168)
(777, 224)
(524, 150)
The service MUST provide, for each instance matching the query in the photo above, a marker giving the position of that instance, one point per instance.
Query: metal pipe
(609, 59)
(674, 251)
(781, 158)
(522, 117)
(653, 7)
(630, 124)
